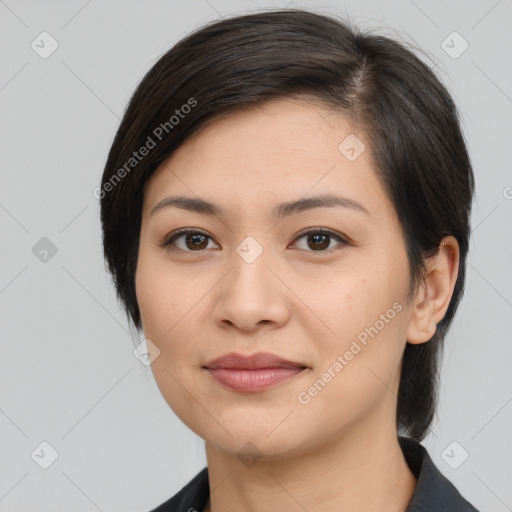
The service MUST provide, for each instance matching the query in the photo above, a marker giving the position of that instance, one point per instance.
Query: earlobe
(433, 297)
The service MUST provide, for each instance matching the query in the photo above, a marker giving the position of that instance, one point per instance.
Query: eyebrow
(281, 210)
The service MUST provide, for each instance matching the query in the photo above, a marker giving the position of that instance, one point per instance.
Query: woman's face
(250, 281)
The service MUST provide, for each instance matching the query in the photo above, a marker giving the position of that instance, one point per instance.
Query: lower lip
(253, 380)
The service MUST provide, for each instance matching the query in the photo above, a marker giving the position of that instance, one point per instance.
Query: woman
(285, 213)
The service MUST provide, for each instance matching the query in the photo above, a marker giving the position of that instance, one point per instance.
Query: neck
(364, 469)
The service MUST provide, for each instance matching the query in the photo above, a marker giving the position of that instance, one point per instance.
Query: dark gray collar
(433, 491)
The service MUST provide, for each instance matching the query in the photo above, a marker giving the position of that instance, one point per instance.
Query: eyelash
(170, 239)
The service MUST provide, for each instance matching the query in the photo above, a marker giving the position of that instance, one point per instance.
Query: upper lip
(252, 362)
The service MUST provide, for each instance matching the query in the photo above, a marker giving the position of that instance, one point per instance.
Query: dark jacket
(433, 493)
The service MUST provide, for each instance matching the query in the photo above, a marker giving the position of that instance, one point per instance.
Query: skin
(297, 301)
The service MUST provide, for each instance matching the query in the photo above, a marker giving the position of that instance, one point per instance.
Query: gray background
(67, 369)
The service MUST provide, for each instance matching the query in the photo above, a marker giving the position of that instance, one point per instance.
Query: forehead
(290, 127)
(283, 149)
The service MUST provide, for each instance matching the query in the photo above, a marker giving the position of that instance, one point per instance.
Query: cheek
(164, 298)
(358, 369)
(169, 303)
(367, 314)
(355, 301)
(166, 306)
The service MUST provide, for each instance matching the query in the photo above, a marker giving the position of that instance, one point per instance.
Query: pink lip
(252, 373)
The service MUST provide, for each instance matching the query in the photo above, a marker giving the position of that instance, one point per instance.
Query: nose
(251, 297)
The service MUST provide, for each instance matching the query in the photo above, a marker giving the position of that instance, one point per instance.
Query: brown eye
(187, 240)
(319, 240)
(196, 241)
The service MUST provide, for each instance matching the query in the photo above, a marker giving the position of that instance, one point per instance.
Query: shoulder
(433, 490)
(191, 498)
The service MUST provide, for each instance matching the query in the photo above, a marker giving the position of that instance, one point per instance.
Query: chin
(257, 446)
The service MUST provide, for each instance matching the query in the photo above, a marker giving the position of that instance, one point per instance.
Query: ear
(433, 296)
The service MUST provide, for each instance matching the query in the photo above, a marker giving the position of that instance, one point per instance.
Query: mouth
(253, 373)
